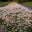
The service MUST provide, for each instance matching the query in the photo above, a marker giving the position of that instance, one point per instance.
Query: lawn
(3, 3)
(28, 4)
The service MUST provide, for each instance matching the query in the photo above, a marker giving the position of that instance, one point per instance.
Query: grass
(3, 3)
(28, 4)
(7, 3)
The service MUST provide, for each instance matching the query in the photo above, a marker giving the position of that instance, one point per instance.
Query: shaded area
(30, 8)
(2, 29)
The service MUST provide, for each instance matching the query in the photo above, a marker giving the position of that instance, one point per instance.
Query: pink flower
(6, 18)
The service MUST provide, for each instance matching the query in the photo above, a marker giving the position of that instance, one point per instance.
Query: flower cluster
(16, 17)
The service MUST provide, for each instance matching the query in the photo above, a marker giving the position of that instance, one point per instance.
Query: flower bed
(16, 18)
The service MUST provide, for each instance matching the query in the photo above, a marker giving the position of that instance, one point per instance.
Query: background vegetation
(23, 2)
(3, 4)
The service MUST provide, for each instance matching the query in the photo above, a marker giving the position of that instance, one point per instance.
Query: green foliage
(1, 21)
(3, 3)
(28, 4)
(9, 28)
(22, 1)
